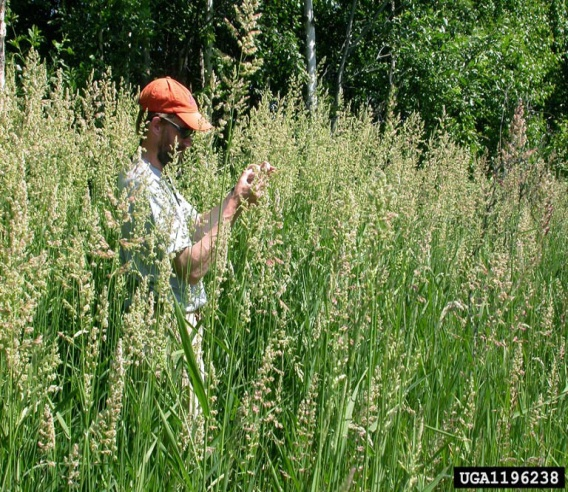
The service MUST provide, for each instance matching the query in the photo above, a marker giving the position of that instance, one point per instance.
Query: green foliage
(472, 67)
(371, 323)
(465, 63)
(280, 44)
(102, 34)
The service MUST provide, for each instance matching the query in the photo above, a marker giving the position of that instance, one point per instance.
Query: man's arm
(210, 219)
(207, 221)
(194, 262)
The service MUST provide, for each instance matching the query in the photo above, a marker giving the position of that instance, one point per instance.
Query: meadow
(391, 308)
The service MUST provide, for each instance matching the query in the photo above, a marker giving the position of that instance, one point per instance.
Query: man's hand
(252, 183)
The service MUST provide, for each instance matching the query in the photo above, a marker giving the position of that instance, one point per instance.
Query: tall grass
(386, 313)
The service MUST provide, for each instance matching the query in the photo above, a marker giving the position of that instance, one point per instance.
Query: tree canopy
(464, 64)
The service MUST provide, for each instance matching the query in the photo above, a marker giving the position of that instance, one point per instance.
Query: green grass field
(386, 313)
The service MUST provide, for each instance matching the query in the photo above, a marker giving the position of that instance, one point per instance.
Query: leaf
(176, 456)
(554, 399)
(63, 425)
(191, 363)
(150, 451)
(433, 485)
(348, 415)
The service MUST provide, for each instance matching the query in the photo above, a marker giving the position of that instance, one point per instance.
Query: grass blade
(191, 363)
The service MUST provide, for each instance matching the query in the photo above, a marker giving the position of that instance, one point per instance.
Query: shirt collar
(155, 170)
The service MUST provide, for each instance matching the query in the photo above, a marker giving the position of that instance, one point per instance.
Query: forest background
(393, 307)
(466, 62)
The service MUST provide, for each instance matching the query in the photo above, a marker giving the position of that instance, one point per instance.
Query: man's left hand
(253, 181)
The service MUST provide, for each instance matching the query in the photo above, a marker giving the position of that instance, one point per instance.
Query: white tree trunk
(344, 55)
(208, 50)
(311, 53)
(2, 45)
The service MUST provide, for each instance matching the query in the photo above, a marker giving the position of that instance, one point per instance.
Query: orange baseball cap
(167, 95)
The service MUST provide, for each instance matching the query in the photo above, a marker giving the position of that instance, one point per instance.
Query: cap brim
(195, 121)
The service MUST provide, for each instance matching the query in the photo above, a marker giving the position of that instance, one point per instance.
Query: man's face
(173, 132)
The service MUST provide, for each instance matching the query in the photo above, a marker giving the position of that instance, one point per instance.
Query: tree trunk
(339, 80)
(391, 95)
(101, 45)
(310, 53)
(208, 49)
(2, 45)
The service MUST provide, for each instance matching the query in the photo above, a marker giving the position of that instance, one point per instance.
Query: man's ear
(154, 125)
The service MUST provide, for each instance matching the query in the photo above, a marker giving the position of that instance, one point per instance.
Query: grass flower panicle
(108, 419)
(46, 442)
(72, 463)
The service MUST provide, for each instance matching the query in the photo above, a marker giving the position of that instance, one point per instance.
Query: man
(189, 239)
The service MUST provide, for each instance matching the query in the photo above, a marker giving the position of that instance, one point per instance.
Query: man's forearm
(228, 211)
(194, 262)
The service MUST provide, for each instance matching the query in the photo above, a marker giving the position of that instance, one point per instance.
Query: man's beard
(164, 156)
(166, 153)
